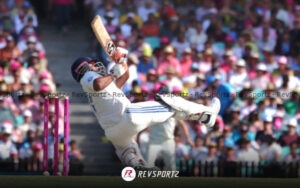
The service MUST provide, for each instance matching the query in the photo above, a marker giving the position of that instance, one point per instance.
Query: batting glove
(118, 70)
(120, 55)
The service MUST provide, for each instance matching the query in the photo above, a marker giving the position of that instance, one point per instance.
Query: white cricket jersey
(108, 104)
(163, 131)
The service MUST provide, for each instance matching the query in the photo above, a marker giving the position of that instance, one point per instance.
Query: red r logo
(128, 173)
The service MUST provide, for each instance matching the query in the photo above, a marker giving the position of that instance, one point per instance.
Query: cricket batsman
(121, 119)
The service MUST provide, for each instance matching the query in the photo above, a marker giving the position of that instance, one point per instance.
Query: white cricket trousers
(167, 151)
(136, 117)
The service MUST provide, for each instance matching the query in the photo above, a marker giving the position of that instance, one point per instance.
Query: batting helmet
(80, 67)
(85, 64)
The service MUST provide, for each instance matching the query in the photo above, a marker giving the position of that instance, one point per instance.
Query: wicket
(56, 134)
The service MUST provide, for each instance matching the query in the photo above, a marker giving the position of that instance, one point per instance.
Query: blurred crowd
(245, 52)
(24, 81)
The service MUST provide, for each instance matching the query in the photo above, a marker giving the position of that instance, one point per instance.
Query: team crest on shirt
(90, 79)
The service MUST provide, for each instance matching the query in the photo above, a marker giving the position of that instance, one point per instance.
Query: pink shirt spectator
(164, 64)
(205, 67)
(186, 67)
(258, 32)
(110, 28)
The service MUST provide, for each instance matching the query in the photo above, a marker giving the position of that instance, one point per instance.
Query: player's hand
(118, 70)
(120, 55)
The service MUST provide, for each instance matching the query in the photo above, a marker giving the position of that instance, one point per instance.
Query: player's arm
(122, 79)
(186, 133)
(120, 69)
(119, 73)
(102, 82)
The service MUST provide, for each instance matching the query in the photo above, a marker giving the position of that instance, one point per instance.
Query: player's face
(98, 67)
(93, 67)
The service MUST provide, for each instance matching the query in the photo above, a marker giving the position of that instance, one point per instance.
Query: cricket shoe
(210, 120)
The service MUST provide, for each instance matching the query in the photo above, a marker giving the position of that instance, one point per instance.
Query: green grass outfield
(105, 181)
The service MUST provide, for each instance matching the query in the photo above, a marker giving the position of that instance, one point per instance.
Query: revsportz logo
(129, 174)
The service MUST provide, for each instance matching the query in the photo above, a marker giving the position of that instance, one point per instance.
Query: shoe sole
(215, 105)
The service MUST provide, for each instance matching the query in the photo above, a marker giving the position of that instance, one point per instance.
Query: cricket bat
(103, 37)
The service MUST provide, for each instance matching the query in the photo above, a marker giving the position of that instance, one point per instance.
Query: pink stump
(56, 142)
(66, 137)
(46, 134)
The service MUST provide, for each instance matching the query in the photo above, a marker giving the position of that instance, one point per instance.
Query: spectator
(24, 17)
(181, 151)
(212, 153)
(152, 79)
(172, 81)
(5, 112)
(246, 153)
(230, 155)
(270, 61)
(267, 131)
(293, 156)
(10, 51)
(186, 61)
(292, 106)
(168, 60)
(261, 80)
(30, 43)
(129, 24)
(28, 124)
(180, 43)
(151, 27)
(63, 13)
(167, 11)
(266, 43)
(224, 91)
(198, 89)
(248, 107)
(290, 136)
(146, 9)
(239, 76)
(8, 150)
(145, 63)
(270, 150)
(74, 151)
(206, 64)
(197, 37)
(111, 22)
(200, 151)
(36, 158)
(202, 11)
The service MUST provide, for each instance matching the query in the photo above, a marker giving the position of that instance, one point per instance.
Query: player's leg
(130, 154)
(191, 111)
(153, 151)
(168, 154)
(144, 114)
(126, 147)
